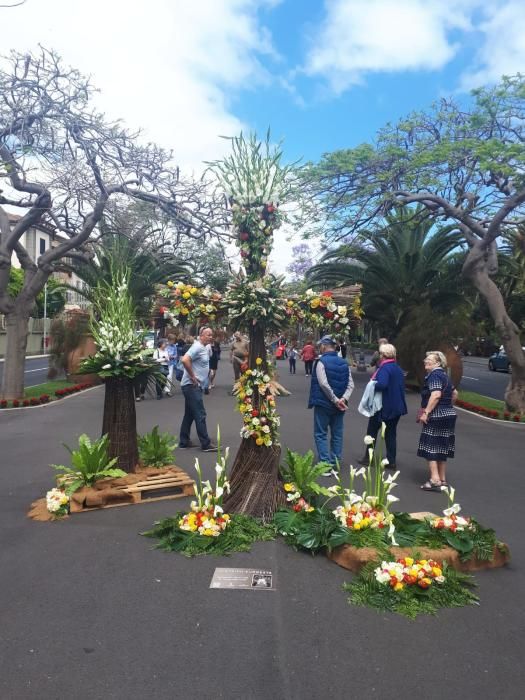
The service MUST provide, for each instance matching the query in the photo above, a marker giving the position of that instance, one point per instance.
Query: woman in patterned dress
(438, 418)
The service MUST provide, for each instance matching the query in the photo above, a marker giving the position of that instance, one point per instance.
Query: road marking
(476, 379)
(41, 369)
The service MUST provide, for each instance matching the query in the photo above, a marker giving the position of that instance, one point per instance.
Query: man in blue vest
(330, 390)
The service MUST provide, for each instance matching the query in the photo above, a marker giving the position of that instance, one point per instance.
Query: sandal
(431, 485)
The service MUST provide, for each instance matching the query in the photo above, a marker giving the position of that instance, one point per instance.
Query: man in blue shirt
(330, 390)
(196, 364)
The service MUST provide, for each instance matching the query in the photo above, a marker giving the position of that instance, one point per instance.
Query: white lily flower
(217, 510)
(391, 499)
(384, 462)
(219, 491)
(369, 440)
(219, 468)
(454, 508)
(354, 498)
(383, 428)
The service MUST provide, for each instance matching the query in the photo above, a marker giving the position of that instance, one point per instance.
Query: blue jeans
(194, 411)
(324, 419)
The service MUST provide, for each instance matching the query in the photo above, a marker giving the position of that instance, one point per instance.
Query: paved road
(89, 610)
(477, 377)
(35, 370)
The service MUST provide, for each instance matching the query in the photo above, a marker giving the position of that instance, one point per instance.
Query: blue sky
(324, 74)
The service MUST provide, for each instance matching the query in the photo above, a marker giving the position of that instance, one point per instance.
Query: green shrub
(90, 463)
(156, 449)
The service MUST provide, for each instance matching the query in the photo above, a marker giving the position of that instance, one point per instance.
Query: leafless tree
(61, 164)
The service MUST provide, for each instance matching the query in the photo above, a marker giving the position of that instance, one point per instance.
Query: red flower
(244, 236)
(244, 254)
(25, 402)
(3, 403)
(328, 314)
(327, 294)
(16, 403)
(517, 417)
(255, 413)
(270, 208)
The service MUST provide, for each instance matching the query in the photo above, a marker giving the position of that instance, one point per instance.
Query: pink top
(308, 353)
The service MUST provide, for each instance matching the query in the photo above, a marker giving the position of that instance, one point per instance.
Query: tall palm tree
(404, 263)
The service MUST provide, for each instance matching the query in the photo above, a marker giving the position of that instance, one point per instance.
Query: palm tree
(148, 266)
(405, 263)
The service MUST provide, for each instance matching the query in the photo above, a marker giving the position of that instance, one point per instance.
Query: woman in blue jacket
(390, 381)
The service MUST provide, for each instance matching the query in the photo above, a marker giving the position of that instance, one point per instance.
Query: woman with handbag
(390, 383)
(438, 418)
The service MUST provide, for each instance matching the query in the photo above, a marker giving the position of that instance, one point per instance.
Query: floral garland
(319, 310)
(254, 226)
(408, 572)
(185, 303)
(207, 516)
(57, 502)
(256, 403)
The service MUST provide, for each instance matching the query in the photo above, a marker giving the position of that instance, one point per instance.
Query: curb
(492, 420)
(51, 403)
(29, 357)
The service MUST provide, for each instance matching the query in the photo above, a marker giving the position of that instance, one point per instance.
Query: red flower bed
(3, 403)
(45, 398)
(488, 412)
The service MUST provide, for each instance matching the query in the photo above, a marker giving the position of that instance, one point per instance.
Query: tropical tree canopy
(404, 263)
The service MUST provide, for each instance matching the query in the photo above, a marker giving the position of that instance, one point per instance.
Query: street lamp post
(45, 318)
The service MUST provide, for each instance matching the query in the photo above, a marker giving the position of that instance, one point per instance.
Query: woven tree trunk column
(254, 478)
(120, 422)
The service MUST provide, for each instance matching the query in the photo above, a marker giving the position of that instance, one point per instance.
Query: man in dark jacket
(330, 390)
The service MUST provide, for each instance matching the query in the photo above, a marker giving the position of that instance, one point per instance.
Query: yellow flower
(437, 571)
(408, 561)
(225, 516)
(289, 487)
(314, 303)
(399, 586)
(186, 295)
(310, 509)
(208, 532)
(258, 361)
(170, 283)
(290, 303)
(259, 441)
(357, 526)
(423, 562)
(185, 311)
(193, 290)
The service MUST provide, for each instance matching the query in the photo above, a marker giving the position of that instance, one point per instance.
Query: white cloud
(362, 36)
(502, 49)
(169, 67)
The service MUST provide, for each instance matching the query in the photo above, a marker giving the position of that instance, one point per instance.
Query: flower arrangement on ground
(410, 587)
(256, 403)
(451, 520)
(206, 528)
(57, 502)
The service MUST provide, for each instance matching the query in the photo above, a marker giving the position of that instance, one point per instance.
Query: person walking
(196, 368)
(173, 354)
(438, 418)
(160, 355)
(214, 362)
(330, 390)
(390, 381)
(293, 354)
(238, 354)
(308, 356)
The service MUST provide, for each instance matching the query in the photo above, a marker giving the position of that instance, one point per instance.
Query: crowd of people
(194, 363)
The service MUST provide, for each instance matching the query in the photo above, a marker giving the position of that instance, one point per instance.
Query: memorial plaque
(254, 579)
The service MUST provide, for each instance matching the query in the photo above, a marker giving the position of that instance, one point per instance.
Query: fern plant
(156, 449)
(303, 473)
(90, 463)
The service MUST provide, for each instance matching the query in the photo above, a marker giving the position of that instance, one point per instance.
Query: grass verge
(46, 388)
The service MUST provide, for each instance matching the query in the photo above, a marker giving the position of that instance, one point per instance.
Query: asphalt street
(90, 610)
(35, 371)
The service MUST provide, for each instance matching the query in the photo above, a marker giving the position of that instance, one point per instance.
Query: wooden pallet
(155, 487)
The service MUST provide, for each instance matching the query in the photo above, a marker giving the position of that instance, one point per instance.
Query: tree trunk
(17, 327)
(120, 422)
(254, 478)
(476, 269)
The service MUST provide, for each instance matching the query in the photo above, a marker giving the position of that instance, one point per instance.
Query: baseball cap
(327, 340)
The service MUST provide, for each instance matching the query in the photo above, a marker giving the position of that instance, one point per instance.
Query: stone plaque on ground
(254, 579)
